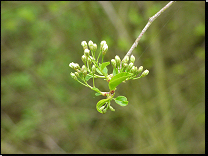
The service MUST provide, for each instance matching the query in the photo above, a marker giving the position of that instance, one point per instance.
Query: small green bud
(111, 108)
(87, 52)
(118, 60)
(126, 59)
(145, 73)
(93, 69)
(90, 44)
(84, 59)
(125, 65)
(73, 76)
(105, 110)
(101, 108)
(132, 58)
(113, 62)
(84, 44)
(129, 67)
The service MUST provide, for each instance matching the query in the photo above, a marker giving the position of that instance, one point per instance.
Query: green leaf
(121, 100)
(103, 65)
(115, 71)
(88, 77)
(105, 70)
(100, 104)
(116, 80)
(99, 71)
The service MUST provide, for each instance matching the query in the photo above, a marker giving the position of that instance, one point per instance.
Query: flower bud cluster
(128, 65)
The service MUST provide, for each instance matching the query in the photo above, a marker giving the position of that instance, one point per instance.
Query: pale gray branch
(151, 19)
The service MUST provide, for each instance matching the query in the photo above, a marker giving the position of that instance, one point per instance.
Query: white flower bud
(102, 43)
(126, 59)
(104, 49)
(113, 62)
(129, 67)
(84, 59)
(133, 70)
(94, 47)
(145, 73)
(73, 76)
(84, 44)
(124, 66)
(76, 66)
(87, 52)
(118, 60)
(132, 58)
(90, 44)
(140, 69)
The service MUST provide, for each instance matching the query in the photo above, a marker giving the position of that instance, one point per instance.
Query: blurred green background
(43, 110)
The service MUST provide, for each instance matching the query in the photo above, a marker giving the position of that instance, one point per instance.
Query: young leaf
(105, 70)
(121, 100)
(116, 80)
(88, 77)
(99, 71)
(115, 71)
(103, 65)
(100, 104)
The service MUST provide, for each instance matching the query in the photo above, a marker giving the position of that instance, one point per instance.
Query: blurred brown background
(43, 110)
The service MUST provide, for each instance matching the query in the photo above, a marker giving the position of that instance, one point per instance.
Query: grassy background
(43, 110)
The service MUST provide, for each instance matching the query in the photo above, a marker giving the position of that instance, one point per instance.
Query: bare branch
(151, 19)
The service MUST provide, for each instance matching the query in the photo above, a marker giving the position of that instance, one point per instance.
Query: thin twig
(151, 19)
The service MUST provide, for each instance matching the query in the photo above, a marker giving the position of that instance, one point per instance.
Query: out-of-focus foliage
(43, 110)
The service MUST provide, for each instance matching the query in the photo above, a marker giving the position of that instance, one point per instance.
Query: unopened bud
(101, 108)
(126, 59)
(102, 43)
(111, 108)
(145, 73)
(77, 74)
(132, 58)
(94, 47)
(84, 59)
(113, 62)
(118, 60)
(125, 65)
(133, 70)
(90, 44)
(74, 65)
(140, 69)
(84, 44)
(93, 69)
(104, 49)
(87, 52)
(73, 76)
(84, 70)
(89, 61)
(129, 67)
